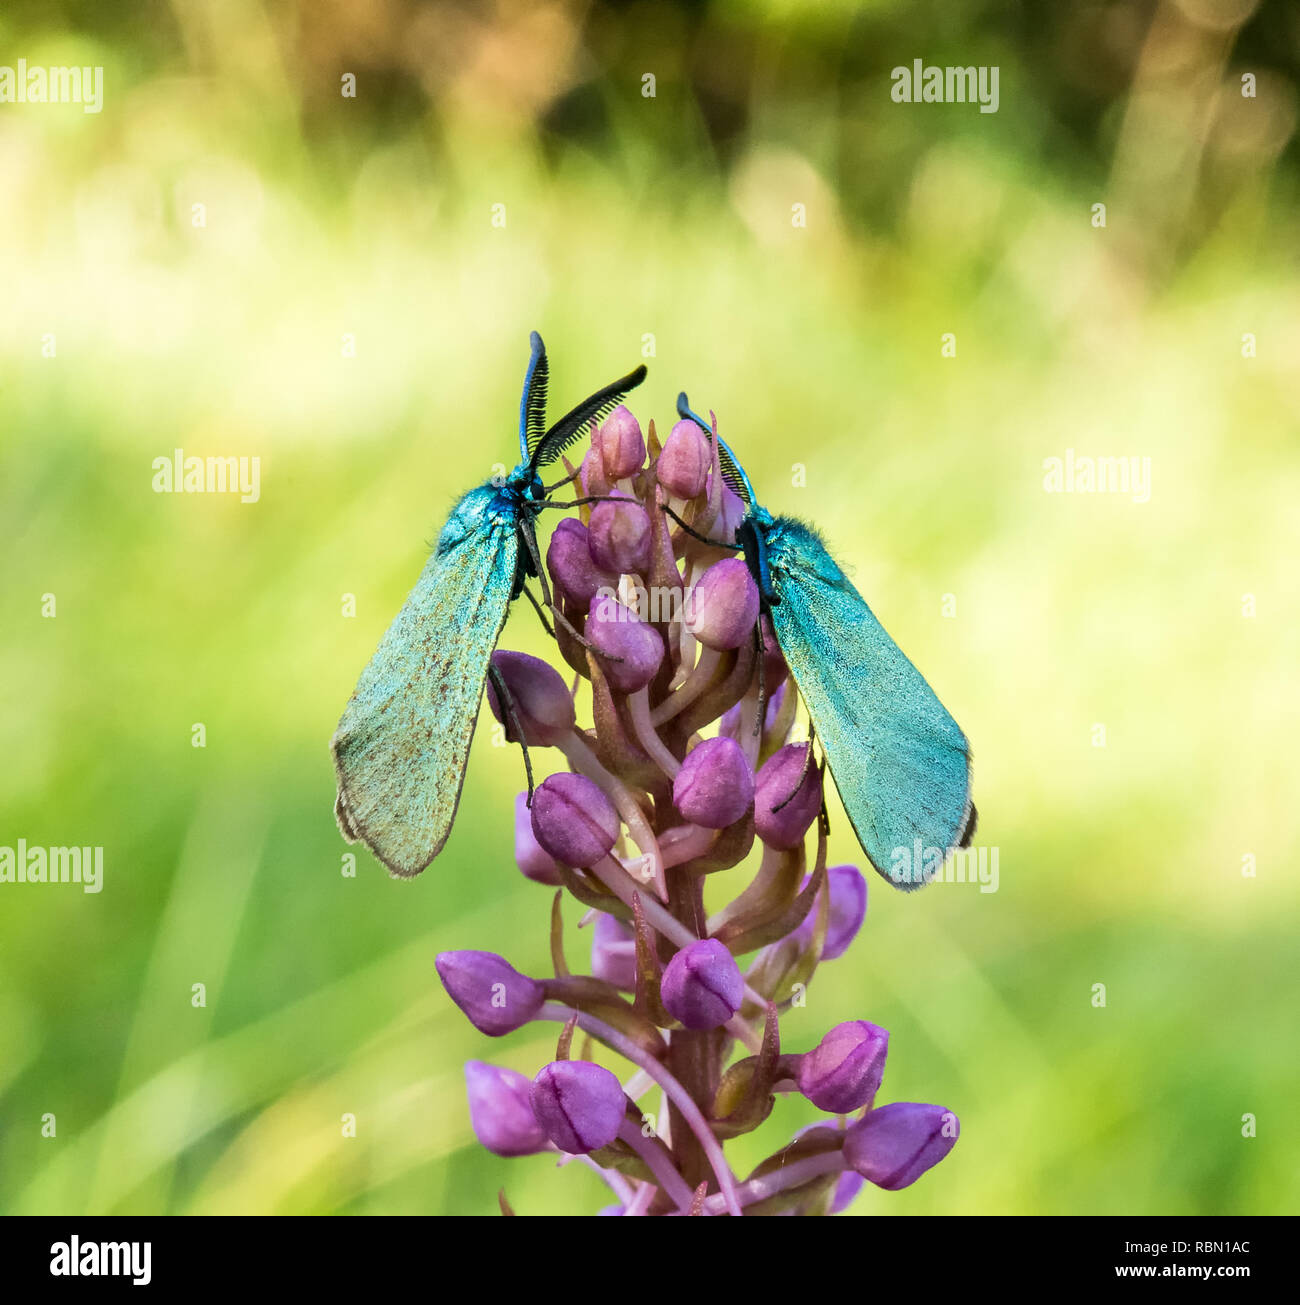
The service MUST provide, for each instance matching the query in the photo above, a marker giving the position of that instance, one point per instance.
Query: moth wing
(900, 762)
(402, 744)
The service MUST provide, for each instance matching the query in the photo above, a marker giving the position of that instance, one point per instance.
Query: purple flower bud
(702, 985)
(776, 781)
(843, 1071)
(715, 786)
(568, 559)
(592, 472)
(620, 536)
(541, 700)
(723, 605)
(683, 466)
(894, 1145)
(493, 995)
(573, 820)
(848, 1187)
(622, 450)
(634, 648)
(533, 860)
(848, 891)
(613, 952)
(500, 1111)
(579, 1104)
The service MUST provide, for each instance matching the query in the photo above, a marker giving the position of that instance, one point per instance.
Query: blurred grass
(627, 217)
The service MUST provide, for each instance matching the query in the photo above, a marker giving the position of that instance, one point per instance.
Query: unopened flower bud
(848, 890)
(723, 605)
(579, 1104)
(492, 994)
(702, 985)
(540, 700)
(843, 1071)
(533, 860)
(683, 466)
(633, 648)
(622, 450)
(500, 1111)
(573, 820)
(776, 781)
(895, 1144)
(620, 536)
(568, 559)
(715, 787)
(613, 952)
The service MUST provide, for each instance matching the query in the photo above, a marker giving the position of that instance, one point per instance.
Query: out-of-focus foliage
(637, 223)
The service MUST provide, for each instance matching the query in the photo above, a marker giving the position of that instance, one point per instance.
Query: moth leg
(760, 719)
(506, 699)
(548, 490)
(824, 816)
(578, 502)
(803, 774)
(695, 534)
(541, 613)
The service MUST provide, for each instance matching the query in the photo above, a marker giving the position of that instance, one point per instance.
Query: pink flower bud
(620, 536)
(573, 820)
(702, 985)
(622, 450)
(776, 781)
(568, 559)
(683, 466)
(723, 606)
(715, 786)
(542, 704)
(634, 649)
(579, 1104)
(894, 1145)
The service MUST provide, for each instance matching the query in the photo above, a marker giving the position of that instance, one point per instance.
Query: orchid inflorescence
(666, 631)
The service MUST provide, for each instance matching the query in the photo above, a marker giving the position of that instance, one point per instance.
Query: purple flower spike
(500, 1110)
(634, 648)
(568, 559)
(848, 1187)
(620, 536)
(702, 985)
(573, 820)
(723, 605)
(533, 860)
(776, 781)
(715, 786)
(492, 994)
(683, 466)
(622, 450)
(894, 1145)
(579, 1104)
(613, 952)
(848, 891)
(541, 700)
(843, 1071)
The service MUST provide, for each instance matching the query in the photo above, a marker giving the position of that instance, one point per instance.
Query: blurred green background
(660, 227)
